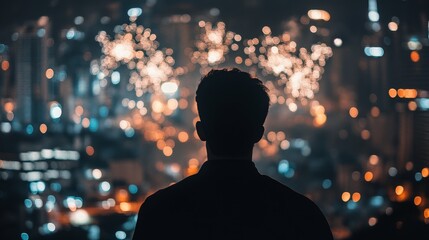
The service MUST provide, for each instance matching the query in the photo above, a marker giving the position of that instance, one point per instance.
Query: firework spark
(297, 70)
(151, 76)
(135, 47)
(214, 44)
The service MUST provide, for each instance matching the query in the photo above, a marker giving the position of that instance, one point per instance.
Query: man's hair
(232, 106)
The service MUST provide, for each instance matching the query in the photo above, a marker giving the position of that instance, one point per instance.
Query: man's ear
(200, 131)
(258, 134)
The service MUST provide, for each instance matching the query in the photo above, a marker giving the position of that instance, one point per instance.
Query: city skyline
(98, 111)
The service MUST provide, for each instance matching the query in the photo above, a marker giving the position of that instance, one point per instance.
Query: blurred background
(97, 108)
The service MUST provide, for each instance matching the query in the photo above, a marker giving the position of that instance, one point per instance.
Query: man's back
(229, 199)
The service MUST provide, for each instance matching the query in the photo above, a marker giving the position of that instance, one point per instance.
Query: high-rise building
(4, 72)
(31, 71)
(6, 104)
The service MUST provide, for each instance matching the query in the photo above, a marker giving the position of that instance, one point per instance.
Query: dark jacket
(230, 200)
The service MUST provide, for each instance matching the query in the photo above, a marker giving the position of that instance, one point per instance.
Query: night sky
(248, 14)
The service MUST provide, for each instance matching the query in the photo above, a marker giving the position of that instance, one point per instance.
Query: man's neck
(220, 157)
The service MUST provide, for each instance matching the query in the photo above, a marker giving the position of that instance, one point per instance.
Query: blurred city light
(134, 12)
(80, 217)
(374, 51)
(338, 42)
(373, 14)
(316, 14)
(98, 111)
(55, 110)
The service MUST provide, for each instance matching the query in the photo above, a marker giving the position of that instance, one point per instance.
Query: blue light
(24, 236)
(2, 48)
(132, 188)
(29, 129)
(70, 34)
(96, 87)
(41, 32)
(423, 103)
(78, 202)
(351, 205)
(298, 143)
(103, 111)
(51, 227)
(120, 235)
(134, 12)
(78, 20)
(33, 187)
(376, 201)
(41, 186)
(55, 110)
(51, 198)
(283, 167)
(28, 203)
(47, 228)
(129, 132)
(104, 187)
(418, 176)
(5, 127)
(130, 224)
(373, 16)
(374, 51)
(93, 125)
(115, 77)
(37, 187)
(305, 151)
(327, 183)
(62, 75)
(94, 232)
(56, 187)
(290, 173)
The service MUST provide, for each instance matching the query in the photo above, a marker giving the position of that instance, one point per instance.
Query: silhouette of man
(228, 198)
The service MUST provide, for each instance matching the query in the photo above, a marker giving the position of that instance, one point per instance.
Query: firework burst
(135, 47)
(213, 44)
(297, 71)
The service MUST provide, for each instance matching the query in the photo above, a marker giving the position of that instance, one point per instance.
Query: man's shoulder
(302, 207)
(284, 192)
(276, 186)
(175, 189)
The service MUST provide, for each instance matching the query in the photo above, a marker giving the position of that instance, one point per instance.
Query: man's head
(232, 106)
